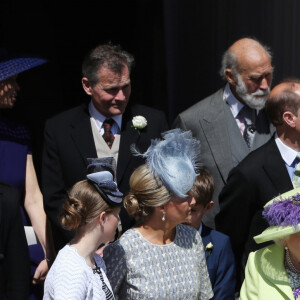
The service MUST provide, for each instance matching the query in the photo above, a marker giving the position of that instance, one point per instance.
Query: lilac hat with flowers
(283, 216)
(13, 64)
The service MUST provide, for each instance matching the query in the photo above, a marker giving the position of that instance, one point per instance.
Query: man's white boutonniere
(209, 247)
(139, 122)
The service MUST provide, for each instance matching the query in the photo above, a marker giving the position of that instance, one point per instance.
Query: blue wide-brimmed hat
(13, 64)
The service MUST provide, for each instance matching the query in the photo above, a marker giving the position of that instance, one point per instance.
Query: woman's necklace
(290, 265)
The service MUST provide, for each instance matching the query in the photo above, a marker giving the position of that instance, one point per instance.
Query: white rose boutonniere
(209, 247)
(139, 122)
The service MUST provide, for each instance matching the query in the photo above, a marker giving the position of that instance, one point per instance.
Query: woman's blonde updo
(146, 192)
(84, 204)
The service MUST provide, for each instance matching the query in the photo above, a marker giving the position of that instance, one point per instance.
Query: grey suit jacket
(222, 145)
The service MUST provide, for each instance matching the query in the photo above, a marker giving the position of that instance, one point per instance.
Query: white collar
(234, 104)
(100, 118)
(288, 154)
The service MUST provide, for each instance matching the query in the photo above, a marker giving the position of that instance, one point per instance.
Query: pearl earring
(164, 216)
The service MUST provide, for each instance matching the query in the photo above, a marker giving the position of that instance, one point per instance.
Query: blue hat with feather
(174, 160)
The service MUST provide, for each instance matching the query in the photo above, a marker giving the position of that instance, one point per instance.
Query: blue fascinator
(101, 172)
(174, 160)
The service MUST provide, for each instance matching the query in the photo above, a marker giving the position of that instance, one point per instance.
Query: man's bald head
(284, 97)
(241, 52)
(247, 67)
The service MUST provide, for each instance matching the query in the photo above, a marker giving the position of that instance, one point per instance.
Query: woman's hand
(41, 272)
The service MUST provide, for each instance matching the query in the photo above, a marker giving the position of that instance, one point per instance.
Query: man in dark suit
(14, 255)
(104, 127)
(262, 175)
(220, 121)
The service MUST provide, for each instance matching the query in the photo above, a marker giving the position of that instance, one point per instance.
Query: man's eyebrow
(261, 75)
(112, 86)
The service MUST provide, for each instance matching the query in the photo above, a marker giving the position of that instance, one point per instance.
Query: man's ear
(208, 207)
(230, 77)
(289, 118)
(86, 86)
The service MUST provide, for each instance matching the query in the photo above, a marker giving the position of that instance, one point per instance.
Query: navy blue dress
(14, 147)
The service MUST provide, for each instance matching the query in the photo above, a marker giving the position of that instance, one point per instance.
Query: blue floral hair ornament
(174, 160)
(101, 172)
(283, 215)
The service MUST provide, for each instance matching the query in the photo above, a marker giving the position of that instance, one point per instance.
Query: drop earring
(164, 216)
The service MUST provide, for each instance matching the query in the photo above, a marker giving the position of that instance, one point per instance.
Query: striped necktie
(108, 136)
(248, 116)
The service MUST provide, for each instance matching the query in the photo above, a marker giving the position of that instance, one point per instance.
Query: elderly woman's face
(8, 92)
(179, 210)
(293, 243)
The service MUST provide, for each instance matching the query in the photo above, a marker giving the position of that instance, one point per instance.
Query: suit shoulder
(156, 119)
(143, 109)
(67, 115)
(266, 254)
(202, 105)
(255, 158)
(219, 236)
(221, 242)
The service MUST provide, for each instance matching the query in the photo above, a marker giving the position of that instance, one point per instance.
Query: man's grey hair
(229, 60)
(108, 55)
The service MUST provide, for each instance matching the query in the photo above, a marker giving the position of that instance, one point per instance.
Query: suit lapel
(239, 148)
(275, 168)
(215, 129)
(206, 239)
(264, 130)
(82, 135)
(129, 136)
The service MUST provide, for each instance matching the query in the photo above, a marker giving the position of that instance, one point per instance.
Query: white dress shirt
(235, 106)
(288, 155)
(98, 118)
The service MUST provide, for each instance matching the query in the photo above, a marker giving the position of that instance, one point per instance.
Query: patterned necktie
(296, 175)
(248, 116)
(108, 136)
